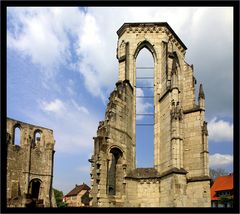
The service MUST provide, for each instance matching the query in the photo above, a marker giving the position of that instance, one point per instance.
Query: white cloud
(56, 106)
(45, 34)
(42, 34)
(96, 51)
(98, 42)
(92, 82)
(73, 125)
(220, 160)
(50, 37)
(142, 107)
(220, 130)
(80, 108)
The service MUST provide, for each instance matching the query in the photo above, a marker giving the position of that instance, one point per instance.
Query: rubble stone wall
(28, 162)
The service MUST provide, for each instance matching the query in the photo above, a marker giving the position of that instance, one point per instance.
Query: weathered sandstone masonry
(180, 175)
(29, 165)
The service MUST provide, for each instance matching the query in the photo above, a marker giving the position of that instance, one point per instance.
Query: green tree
(59, 198)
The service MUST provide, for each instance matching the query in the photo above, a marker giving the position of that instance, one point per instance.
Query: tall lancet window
(114, 170)
(17, 135)
(144, 109)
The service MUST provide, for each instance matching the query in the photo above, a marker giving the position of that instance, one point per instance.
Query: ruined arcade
(29, 165)
(180, 175)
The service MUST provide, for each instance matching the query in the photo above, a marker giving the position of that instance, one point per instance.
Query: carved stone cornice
(154, 27)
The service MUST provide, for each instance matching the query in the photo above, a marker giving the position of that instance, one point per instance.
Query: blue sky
(62, 66)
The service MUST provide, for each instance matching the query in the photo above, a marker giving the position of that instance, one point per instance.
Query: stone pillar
(205, 149)
(176, 140)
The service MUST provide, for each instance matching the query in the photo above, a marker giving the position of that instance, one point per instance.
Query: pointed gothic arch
(145, 44)
(144, 107)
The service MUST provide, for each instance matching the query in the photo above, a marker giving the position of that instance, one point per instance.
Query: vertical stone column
(181, 143)
(127, 61)
(204, 153)
(121, 56)
(28, 163)
(205, 149)
(159, 68)
(176, 140)
(176, 115)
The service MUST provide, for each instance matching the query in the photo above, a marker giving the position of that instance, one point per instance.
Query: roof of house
(220, 184)
(77, 189)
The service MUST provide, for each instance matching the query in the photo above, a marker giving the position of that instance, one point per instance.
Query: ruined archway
(34, 188)
(37, 137)
(114, 170)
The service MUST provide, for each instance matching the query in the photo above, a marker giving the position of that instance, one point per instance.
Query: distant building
(78, 196)
(222, 191)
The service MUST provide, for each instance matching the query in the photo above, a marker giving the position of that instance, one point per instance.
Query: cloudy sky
(62, 66)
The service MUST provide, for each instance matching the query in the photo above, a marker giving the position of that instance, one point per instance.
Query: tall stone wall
(180, 130)
(29, 164)
(113, 149)
(143, 188)
(198, 193)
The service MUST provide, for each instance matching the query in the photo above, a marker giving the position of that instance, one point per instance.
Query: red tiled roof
(221, 183)
(77, 189)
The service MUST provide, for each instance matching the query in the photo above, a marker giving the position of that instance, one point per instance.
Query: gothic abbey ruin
(29, 165)
(180, 175)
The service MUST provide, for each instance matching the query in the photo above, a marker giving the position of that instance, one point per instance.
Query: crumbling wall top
(14, 122)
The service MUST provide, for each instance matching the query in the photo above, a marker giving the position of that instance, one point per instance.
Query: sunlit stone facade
(180, 176)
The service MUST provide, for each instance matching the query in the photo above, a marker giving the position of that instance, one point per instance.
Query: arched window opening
(113, 170)
(35, 188)
(37, 137)
(17, 136)
(144, 109)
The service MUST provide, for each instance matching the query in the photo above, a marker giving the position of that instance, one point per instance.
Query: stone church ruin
(29, 165)
(180, 175)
